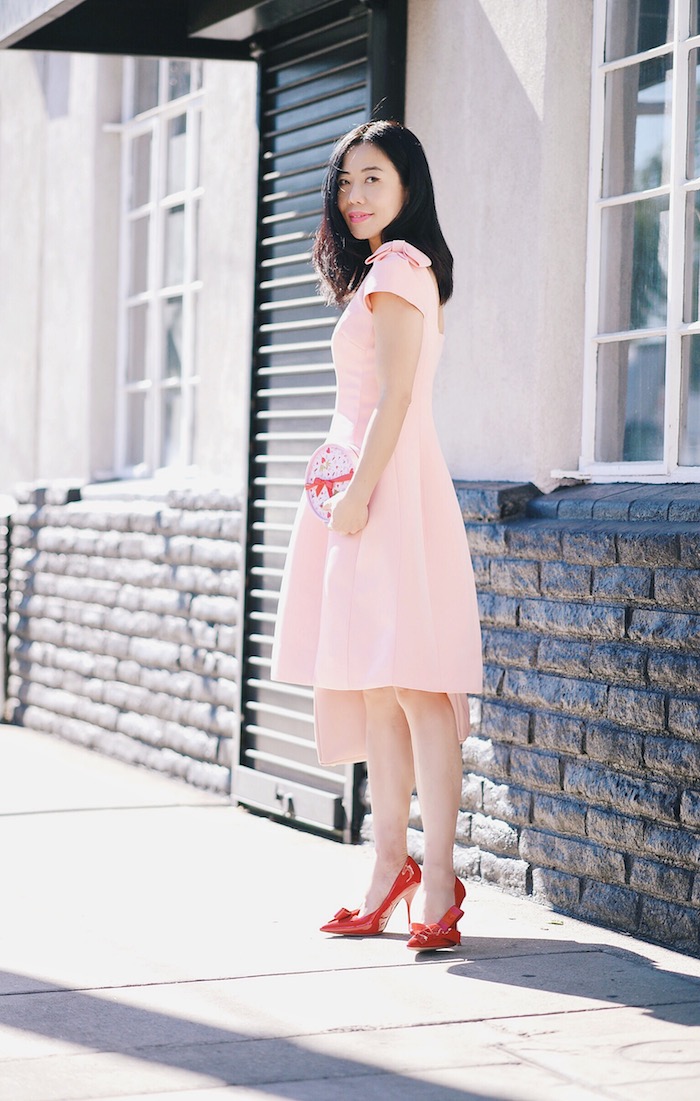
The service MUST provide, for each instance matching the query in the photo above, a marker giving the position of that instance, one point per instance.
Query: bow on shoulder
(415, 257)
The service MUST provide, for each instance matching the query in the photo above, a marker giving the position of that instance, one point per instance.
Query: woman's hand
(348, 515)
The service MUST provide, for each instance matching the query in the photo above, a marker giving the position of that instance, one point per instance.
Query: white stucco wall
(499, 95)
(227, 259)
(59, 181)
(59, 262)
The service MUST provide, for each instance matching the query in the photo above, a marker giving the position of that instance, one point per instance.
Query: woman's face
(370, 193)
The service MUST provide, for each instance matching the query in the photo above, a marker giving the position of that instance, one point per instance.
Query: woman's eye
(343, 185)
(371, 179)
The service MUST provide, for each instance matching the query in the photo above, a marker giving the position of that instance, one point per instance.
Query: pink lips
(358, 217)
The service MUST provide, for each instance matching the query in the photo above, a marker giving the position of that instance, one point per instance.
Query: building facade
(165, 369)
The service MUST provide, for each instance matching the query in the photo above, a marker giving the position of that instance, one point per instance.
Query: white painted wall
(498, 92)
(58, 246)
(227, 259)
(59, 262)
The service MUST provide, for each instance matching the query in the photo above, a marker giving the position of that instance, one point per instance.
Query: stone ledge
(492, 501)
(676, 503)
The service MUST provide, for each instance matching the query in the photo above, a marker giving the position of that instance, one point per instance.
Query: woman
(378, 609)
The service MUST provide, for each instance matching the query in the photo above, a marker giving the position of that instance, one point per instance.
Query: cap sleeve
(398, 268)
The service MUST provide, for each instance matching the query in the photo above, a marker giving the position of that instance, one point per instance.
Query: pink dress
(395, 604)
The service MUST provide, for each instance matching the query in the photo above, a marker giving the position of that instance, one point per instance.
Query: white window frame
(157, 293)
(667, 469)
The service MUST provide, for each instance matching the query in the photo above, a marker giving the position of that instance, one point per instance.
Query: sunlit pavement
(157, 942)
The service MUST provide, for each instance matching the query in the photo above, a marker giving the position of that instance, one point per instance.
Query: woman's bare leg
(391, 781)
(438, 768)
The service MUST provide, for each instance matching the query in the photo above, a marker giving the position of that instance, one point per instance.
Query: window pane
(689, 450)
(637, 127)
(174, 246)
(693, 158)
(177, 148)
(178, 79)
(630, 401)
(136, 320)
(633, 26)
(634, 266)
(191, 457)
(145, 84)
(135, 421)
(138, 279)
(172, 343)
(196, 274)
(140, 184)
(171, 427)
(691, 310)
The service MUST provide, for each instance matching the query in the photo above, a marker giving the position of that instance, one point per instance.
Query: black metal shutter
(314, 86)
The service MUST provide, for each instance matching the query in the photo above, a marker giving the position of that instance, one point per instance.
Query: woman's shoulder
(401, 252)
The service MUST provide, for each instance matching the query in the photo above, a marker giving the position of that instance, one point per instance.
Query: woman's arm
(398, 334)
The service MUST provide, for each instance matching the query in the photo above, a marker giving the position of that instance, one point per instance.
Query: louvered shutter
(313, 88)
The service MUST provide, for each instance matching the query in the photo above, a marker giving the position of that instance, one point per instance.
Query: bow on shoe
(439, 934)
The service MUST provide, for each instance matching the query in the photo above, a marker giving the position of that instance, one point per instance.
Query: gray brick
(505, 872)
(504, 722)
(487, 539)
(677, 926)
(646, 545)
(559, 814)
(467, 862)
(494, 836)
(615, 830)
(515, 576)
(471, 798)
(617, 662)
(506, 801)
(677, 588)
(591, 545)
(532, 768)
(544, 690)
(500, 611)
(493, 677)
(600, 621)
(509, 647)
(639, 709)
(689, 543)
(528, 539)
(684, 717)
(677, 846)
(673, 757)
(624, 583)
(663, 880)
(565, 579)
(557, 655)
(570, 855)
(678, 673)
(486, 758)
(482, 570)
(558, 732)
(609, 905)
(690, 809)
(556, 888)
(626, 794)
(614, 745)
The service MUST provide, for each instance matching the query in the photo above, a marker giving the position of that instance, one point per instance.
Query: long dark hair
(338, 258)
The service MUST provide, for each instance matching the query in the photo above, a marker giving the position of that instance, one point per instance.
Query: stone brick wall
(124, 626)
(582, 784)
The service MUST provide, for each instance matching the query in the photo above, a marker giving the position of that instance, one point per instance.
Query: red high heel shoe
(442, 933)
(348, 923)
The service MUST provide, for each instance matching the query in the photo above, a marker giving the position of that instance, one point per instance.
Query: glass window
(158, 373)
(643, 360)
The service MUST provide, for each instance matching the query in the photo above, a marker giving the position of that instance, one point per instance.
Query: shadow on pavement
(280, 1066)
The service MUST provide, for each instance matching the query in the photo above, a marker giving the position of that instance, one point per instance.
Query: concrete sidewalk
(157, 942)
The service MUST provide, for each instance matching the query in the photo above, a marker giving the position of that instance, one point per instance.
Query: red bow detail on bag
(318, 484)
